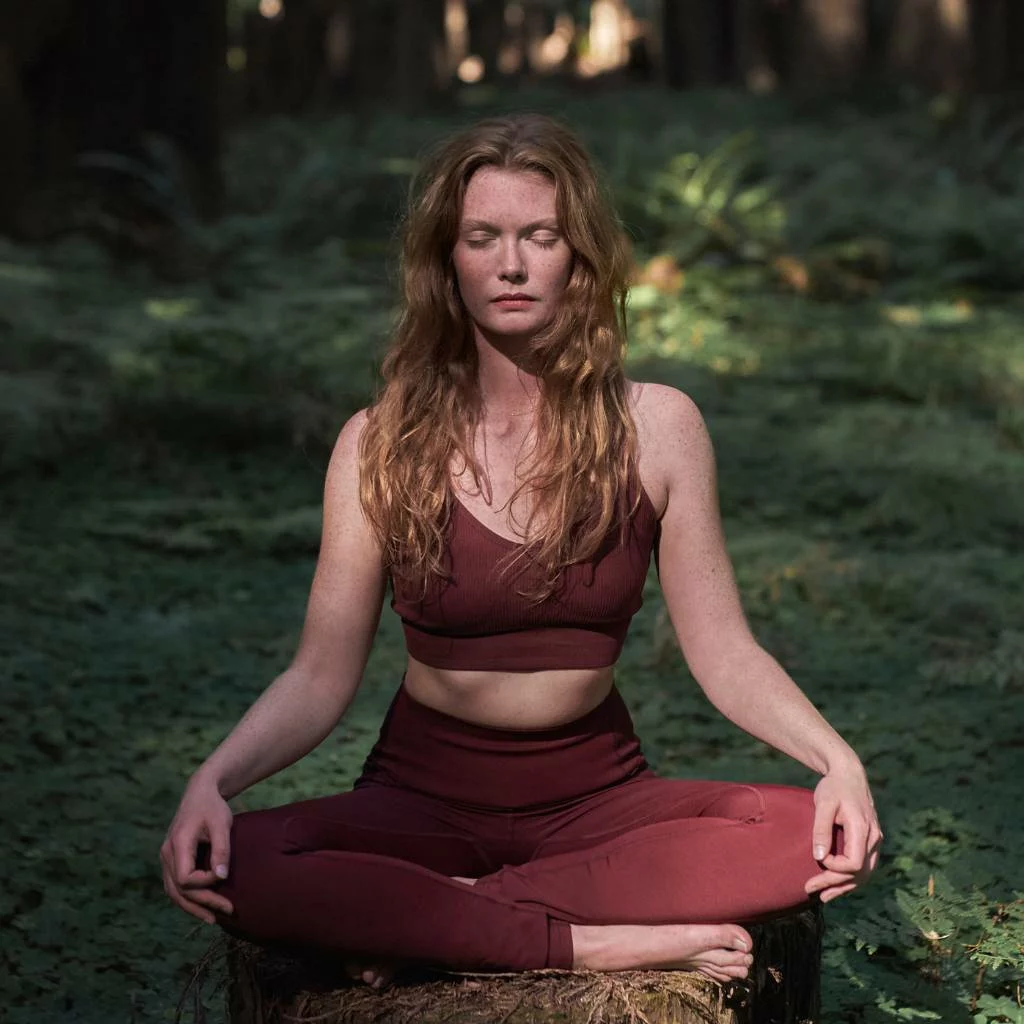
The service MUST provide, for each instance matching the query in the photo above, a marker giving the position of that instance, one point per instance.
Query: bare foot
(379, 975)
(720, 951)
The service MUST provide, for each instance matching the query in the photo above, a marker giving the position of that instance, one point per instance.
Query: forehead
(494, 192)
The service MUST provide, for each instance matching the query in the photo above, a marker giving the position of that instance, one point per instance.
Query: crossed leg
(659, 850)
(375, 873)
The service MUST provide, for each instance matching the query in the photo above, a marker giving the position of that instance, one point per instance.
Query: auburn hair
(427, 411)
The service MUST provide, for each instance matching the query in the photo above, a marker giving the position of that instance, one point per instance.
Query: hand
(842, 800)
(203, 816)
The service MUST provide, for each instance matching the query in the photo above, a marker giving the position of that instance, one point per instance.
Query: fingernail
(221, 871)
(819, 852)
(739, 944)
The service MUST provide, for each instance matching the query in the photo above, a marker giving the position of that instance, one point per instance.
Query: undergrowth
(836, 292)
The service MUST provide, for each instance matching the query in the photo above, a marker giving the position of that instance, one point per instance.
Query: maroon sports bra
(476, 620)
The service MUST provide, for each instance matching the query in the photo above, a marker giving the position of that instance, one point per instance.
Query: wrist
(843, 762)
(207, 776)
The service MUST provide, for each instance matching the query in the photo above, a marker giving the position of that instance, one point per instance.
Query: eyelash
(544, 243)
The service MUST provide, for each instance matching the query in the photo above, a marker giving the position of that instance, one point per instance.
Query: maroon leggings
(562, 825)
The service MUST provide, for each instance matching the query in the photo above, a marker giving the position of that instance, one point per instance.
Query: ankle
(589, 945)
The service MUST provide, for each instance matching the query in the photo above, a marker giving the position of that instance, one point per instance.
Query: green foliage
(960, 947)
(164, 445)
(704, 204)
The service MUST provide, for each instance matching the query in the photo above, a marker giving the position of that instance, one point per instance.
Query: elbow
(321, 688)
(722, 669)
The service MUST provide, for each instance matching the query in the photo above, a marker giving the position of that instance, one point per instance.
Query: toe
(738, 938)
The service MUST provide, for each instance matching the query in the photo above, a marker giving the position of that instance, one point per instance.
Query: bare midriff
(510, 700)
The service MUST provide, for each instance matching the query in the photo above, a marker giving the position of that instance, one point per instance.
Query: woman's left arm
(739, 677)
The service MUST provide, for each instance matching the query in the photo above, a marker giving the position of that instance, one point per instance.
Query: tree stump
(278, 986)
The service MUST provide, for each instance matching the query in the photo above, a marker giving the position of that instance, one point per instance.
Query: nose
(512, 268)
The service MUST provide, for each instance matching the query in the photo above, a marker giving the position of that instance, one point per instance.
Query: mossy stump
(267, 986)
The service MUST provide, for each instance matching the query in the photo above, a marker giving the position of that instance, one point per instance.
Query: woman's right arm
(304, 703)
(301, 707)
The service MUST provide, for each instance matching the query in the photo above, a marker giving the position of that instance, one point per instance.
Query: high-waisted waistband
(460, 762)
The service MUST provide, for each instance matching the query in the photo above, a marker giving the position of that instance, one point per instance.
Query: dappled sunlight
(933, 314)
(170, 310)
(23, 274)
(471, 69)
(837, 295)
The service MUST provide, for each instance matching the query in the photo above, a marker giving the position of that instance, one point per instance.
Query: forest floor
(156, 560)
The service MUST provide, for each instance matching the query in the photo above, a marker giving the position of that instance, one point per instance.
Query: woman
(512, 485)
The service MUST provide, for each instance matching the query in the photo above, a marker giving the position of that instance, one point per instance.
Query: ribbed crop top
(477, 620)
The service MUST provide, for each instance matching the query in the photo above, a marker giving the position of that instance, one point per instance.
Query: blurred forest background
(198, 204)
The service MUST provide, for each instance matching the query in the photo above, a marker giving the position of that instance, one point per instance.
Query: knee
(738, 802)
(255, 841)
(790, 812)
(793, 804)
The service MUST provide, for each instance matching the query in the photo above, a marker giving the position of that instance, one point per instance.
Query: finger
(821, 833)
(825, 880)
(213, 900)
(201, 875)
(183, 849)
(188, 906)
(220, 858)
(839, 890)
(855, 835)
(198, 880)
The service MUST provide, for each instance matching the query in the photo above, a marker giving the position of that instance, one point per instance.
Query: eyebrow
(482, 225)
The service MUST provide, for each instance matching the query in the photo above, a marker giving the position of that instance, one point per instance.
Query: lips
(514, 297)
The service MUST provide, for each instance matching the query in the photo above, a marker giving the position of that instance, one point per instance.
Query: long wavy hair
(427, 412)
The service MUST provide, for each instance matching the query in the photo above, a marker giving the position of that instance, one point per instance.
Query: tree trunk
(931, 43)
(997, 27)
(104, 78)
(270, 987)
(399, 51)
(762, 53)
(486, 33)
(184, 90)
(34, 147)
(829, 42)
(697, 44)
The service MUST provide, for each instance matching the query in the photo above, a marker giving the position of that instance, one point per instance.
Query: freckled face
(511, 261)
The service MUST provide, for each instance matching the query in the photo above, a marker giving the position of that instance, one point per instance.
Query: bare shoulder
(346, 447)
(342, 507)
(673, 437)
(662, 406)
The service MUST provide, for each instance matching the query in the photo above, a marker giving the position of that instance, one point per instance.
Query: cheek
(468, 278)
(558, 271)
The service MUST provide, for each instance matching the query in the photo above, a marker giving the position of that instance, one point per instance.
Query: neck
(507, 390)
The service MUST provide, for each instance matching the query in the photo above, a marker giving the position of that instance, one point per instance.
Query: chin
(506, 327)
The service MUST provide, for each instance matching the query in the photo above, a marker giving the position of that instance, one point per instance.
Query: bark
(267, 987)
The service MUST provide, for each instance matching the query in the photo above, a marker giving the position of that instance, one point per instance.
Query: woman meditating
(511, 485)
